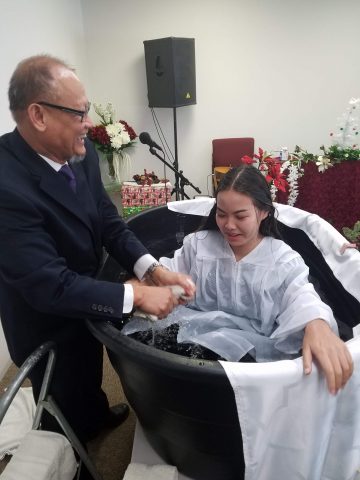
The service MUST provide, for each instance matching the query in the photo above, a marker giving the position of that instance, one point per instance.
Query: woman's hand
(346, 246)
(329, 351)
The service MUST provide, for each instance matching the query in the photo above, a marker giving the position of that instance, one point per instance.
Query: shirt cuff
(128, 298)
(141, 266)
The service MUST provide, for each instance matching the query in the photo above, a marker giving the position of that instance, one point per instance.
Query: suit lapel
(57, 188)
(51, 182)
(86, 200)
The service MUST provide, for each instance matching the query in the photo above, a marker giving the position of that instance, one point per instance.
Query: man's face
(65, 132)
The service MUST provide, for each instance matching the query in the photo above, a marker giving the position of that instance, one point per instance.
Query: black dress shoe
(117, 415)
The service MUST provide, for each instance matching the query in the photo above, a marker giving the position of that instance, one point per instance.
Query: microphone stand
(178, 190)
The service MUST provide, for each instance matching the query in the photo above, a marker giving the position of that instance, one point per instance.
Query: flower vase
(109, 179)
(122, 166)
(107, 170)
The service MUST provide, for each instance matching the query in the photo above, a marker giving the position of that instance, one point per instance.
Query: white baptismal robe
(261, 302)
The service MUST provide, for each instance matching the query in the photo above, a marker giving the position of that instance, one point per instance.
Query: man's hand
(158, 301)
(330, 352)
(163, 277)
(135, 281)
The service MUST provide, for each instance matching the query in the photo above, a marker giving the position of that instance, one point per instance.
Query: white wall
(280, 71)
(29, 28)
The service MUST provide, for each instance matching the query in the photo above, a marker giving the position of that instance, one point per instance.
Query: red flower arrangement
(102, 139)
(111, 136)
(270, 167)
(146, 178)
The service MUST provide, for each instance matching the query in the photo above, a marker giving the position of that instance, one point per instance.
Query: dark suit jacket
(51, 244)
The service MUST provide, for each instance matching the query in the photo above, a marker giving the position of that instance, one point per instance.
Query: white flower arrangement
(107, 114)
(294, 172)
(323, 163)
(118, 135)
(111, 138)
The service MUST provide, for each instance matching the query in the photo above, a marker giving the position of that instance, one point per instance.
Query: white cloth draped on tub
(292, 427)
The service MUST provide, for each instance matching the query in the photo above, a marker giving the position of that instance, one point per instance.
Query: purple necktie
(69, 175)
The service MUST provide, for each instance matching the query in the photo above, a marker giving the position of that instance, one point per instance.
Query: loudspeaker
(170, 71)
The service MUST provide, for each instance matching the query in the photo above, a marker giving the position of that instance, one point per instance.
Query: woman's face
(238, 220)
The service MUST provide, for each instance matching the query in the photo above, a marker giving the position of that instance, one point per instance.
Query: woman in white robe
(252, 290)
(258, 305)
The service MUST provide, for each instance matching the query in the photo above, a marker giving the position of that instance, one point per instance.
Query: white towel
(42, 455)
(17, 421)
(197, 206)
(291, 426)
(139, 471)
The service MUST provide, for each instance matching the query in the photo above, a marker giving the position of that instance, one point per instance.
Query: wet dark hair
(250, 181)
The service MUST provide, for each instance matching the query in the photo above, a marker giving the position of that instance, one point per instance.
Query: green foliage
(352, 234)
(303, 155)
(337, 154)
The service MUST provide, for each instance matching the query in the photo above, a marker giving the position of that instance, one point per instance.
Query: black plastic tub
(186, 406)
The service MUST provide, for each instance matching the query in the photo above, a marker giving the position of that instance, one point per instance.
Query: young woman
(253, 296)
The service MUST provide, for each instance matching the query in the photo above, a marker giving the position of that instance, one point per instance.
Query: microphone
(145, 138)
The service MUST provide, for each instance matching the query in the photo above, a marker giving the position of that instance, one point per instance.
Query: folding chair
(19, 461)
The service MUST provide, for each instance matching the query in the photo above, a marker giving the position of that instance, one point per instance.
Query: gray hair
(33, 81)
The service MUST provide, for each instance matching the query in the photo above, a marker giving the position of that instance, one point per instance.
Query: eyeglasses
(80, 113)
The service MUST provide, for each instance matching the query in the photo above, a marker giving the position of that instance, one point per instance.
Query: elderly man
(55, 219)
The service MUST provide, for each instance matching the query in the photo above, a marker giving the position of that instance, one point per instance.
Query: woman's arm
(301, 307)
(329, 351)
